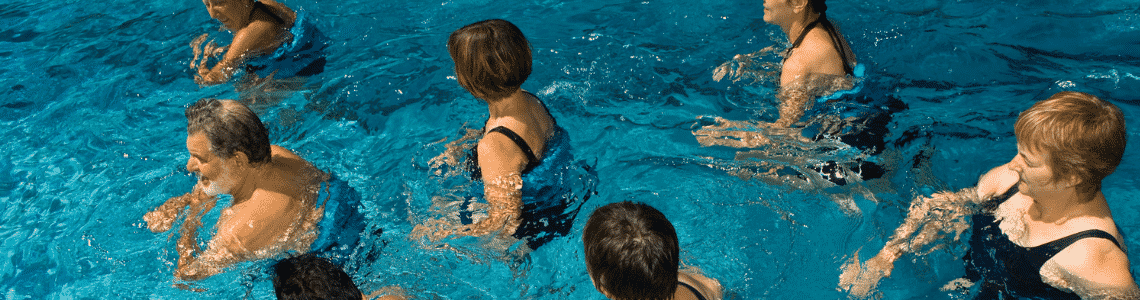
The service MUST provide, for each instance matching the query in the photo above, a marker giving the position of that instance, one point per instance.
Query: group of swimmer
(1041, 226)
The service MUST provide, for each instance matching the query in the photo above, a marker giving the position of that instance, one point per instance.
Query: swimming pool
(93, 134)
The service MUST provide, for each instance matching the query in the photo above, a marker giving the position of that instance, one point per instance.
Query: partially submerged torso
(1024, 257)
(280, 215)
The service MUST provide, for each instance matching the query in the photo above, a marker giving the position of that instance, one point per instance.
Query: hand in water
(202, 56)
(744, 66)
(194, 45)
(434, 229)
(161, 220)
(861, 280)
(162, 217)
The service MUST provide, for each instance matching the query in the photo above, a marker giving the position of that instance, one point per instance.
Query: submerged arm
(192, 263)
(501, 163)
(223, 70)
(928, 219)
(256, 38)
(793, 103)
(162, 217)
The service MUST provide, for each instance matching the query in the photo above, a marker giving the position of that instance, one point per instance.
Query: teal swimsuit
(341, 227)
(303, 55)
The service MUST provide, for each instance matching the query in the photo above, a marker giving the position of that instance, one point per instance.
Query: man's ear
(241, 158)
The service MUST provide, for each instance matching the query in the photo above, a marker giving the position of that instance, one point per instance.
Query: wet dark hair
(231, 127)
(818, 6)
(632, 251)
(308, 277)
(492, 58)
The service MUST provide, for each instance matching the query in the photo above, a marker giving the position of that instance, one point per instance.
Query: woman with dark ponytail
(819, 92)
(817, 50)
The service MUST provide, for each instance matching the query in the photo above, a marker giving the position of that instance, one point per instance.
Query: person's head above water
(1082, 136)
(234, 14)
(230, 127)
(784, 12)
(492, 58)
(631, 252)
(308, 277)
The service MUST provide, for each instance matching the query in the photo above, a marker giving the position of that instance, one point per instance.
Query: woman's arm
(257, 38)
(928, 219)
(501, 163)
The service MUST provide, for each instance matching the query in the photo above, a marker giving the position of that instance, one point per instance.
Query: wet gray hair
(230, 127)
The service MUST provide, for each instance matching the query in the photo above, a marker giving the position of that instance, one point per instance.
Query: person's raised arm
(996, 182)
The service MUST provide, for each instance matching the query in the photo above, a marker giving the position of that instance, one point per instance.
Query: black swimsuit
(1010, 271)
(531, 160)
(692, 289)
(547, 214)
(836, 41)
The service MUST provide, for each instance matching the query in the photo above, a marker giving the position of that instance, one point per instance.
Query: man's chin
(212, 189)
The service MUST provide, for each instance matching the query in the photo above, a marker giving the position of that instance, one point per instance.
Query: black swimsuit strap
(531, 161)
(804, 33)
(838, 43)
(1052, 248)
(835, 41)
(692, 289)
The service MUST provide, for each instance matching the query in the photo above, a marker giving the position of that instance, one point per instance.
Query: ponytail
(819, 6)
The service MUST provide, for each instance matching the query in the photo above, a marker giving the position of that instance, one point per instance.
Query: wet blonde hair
(1083, 136)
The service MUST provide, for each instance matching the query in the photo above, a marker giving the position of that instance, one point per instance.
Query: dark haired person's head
(818, 6)
(309, 277)
(1083, 137)
(631, 252)
(230, 127)
(492, 58)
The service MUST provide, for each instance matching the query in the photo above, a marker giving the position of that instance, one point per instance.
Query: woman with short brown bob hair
(521, 146)
(492, 58)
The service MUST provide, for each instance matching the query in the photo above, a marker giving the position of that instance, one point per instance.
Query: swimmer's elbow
(996, 181)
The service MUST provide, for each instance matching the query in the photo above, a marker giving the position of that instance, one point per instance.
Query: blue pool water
(92, 134)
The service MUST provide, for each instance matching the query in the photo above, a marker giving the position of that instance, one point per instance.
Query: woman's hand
(207, 75)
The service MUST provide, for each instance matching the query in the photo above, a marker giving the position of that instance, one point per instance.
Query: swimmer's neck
(250, 179)
(797, 27)
(506, 106)
(1058, 207)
